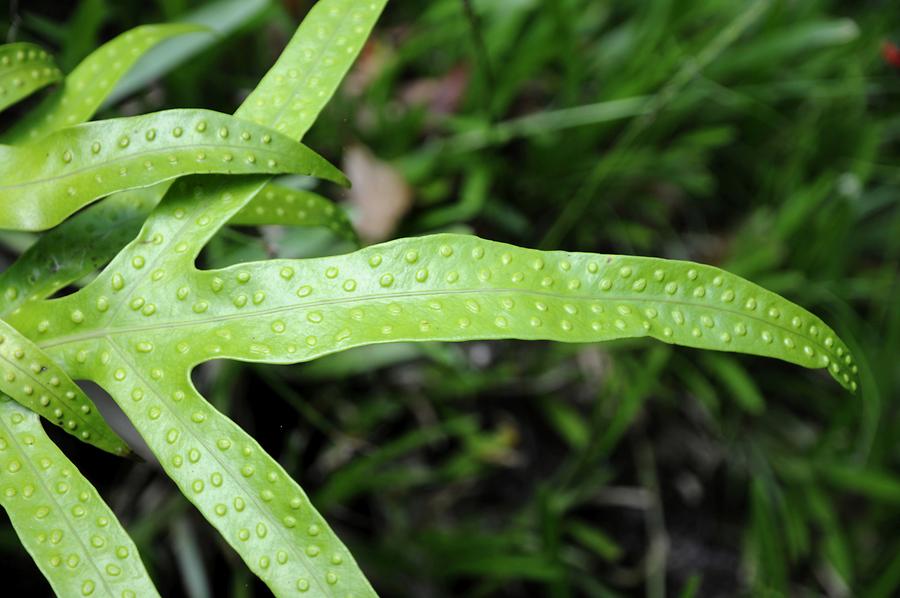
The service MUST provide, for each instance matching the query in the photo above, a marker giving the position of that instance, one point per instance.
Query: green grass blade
(875, 485)
(72, 535)
(786, 44)
(735, 379)
(888, 582)
(85, 88)
(82, 32)
(674, 87)
(46, 181)
(291, 207)
(217, 20)
(33, 380)
(544, 122)
(24, 69)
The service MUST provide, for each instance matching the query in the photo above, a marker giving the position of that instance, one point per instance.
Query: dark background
(523, 469)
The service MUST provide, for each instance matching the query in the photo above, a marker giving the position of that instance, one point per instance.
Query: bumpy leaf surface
(77, 247)
(446, 287)
(85, 88)
(306, 75)
(165, 317)
(90, 239)
(24, 69)
(280, 205)
(452, 287)
(246, 494)
(71, 534)
(44, 182)
(32, 379)
(39, 514)
(258, 509)
(63, 563)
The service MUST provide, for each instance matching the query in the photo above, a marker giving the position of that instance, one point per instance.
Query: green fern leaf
(49, 480)
(32, 379)
(89, 240)
(24, 69)
(72, 535)
(258, 509)
(85, 88)
(165, 317)
(291, 207)
(46, 181)
(453, 287)
(309, 70)
(446, 287)
(77, 247)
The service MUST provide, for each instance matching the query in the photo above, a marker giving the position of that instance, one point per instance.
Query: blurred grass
(763, 137)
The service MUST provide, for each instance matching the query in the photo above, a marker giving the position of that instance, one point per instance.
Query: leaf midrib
(135, 156)
(244, 315)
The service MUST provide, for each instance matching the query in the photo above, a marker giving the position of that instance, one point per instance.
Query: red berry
(891, 54)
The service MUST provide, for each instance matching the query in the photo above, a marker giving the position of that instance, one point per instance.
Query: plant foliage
(141, 326)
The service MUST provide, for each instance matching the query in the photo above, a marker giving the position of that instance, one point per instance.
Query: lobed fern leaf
(77, 247)
(244, 493)
(150, 317)
(89, 240)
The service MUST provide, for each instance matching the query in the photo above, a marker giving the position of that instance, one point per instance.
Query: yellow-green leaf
(24, 69)
(72, 535)
(44, 182)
